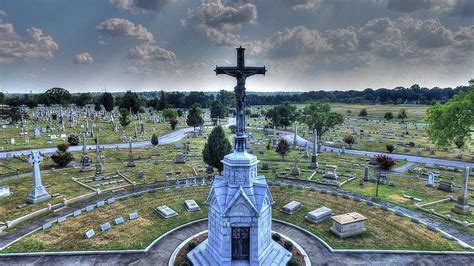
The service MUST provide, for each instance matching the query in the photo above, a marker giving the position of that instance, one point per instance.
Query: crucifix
(240, 72)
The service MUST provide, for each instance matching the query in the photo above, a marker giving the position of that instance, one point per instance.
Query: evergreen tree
(388, 116)
(283, 148)
(216, 147)
(154, 140)
(195, 117)
(363, 113)
(402, 114)
(107, 100)
(124, 119)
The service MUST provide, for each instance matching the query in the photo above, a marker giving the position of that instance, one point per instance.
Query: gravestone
(330, 172)
(131, 161)
(85, 160)
(314, 157)
(431, 180)
(349, 224)
(319, 215)
(462, 205)
(179, 158)
(76, 213)
(119, 220)
(8, 156)
(90, 234)
(296, 170)
(37, 133)
(5, 192)
(62, 219)
(166, 211)
(291, 207)
(46, 226)
(105, 227)
(90, 208)
(38, 191)
(141, 174)
(446, 186)
(265, 167)
(209, 169)
(133, 216)
(366, 173)
(191, 206)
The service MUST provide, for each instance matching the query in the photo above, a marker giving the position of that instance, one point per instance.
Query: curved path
(181, 133)
(160, 253)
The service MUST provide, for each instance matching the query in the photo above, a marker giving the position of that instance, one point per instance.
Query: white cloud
(83, 58)
(303, 5)
(119, 27)
(149, 58)
(3, 13)
(140, 6)
(35, 46)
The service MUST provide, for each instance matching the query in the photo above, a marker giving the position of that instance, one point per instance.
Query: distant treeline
(415, 94)
(161, 99)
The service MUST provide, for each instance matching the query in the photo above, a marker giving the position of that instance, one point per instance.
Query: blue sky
(115, 45)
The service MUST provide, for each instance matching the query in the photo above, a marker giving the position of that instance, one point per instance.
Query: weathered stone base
(131, 164)
(460, 209)
(348, 233)
(314, 163)
(86, 169)
(35, 197)
(276, 255)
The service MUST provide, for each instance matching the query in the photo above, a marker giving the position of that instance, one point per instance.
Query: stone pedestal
(462, 206)
(240, 205)
(38, 191)
(314, 162)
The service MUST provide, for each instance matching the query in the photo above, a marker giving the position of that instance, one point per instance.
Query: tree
(218, 110)
(62, 157)
(73, 139)
(170, 113)
(82, 99)
(124, 119)
(349, 140)
(320, 117)
(283, 148)
(390, 148)
(216, 147)
(130, 101)
(13, 113)
(162, 103)
(363, 113)
(57, 96)
(154, 140)
(227, 98)
(388, 116)
(173, 123)
(453, 120)
(194, 118)
(402, 114)
(107, 100)
(2, 97)
(384, 162)
(282, 115)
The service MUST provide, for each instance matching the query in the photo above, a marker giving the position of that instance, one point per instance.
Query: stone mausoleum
(240, 202)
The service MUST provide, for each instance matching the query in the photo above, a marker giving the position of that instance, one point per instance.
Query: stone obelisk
(314, 157)
(462, 206)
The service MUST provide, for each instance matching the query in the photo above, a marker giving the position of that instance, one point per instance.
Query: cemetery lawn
(385, 231)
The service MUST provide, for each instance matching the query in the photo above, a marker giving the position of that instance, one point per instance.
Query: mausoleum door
(240, 243)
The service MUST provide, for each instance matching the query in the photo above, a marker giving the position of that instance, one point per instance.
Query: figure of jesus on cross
(240, 72)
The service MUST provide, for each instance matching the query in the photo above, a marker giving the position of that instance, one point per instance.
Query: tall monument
(38, 191)
(240, 202)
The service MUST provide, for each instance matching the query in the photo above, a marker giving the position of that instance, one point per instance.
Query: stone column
(295, 141)
(366, 173)
(131, 162)
(462, 206)
(38, 192)
(314, 157)
(98, 165)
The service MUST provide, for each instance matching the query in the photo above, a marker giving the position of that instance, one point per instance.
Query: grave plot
(131, 234)
(385, 230)
(58, 183)
(104, 183)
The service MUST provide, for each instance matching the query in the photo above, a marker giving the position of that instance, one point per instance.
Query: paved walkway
(160, 253)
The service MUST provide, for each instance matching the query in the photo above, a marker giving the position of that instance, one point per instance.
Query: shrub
(154, 140)
(62, 158)
(173, 123)
(63, 147)
(288, 245)
(191, 245)
(390, 148)
(283, 148)
(384, 162)
(349, 140)
(294, 262)
(411, 144)
(276, 237)
(73, 139)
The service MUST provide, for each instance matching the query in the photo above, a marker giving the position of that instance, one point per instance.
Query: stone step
(270, 256)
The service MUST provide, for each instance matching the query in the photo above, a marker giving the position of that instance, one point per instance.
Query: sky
(148, 45)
